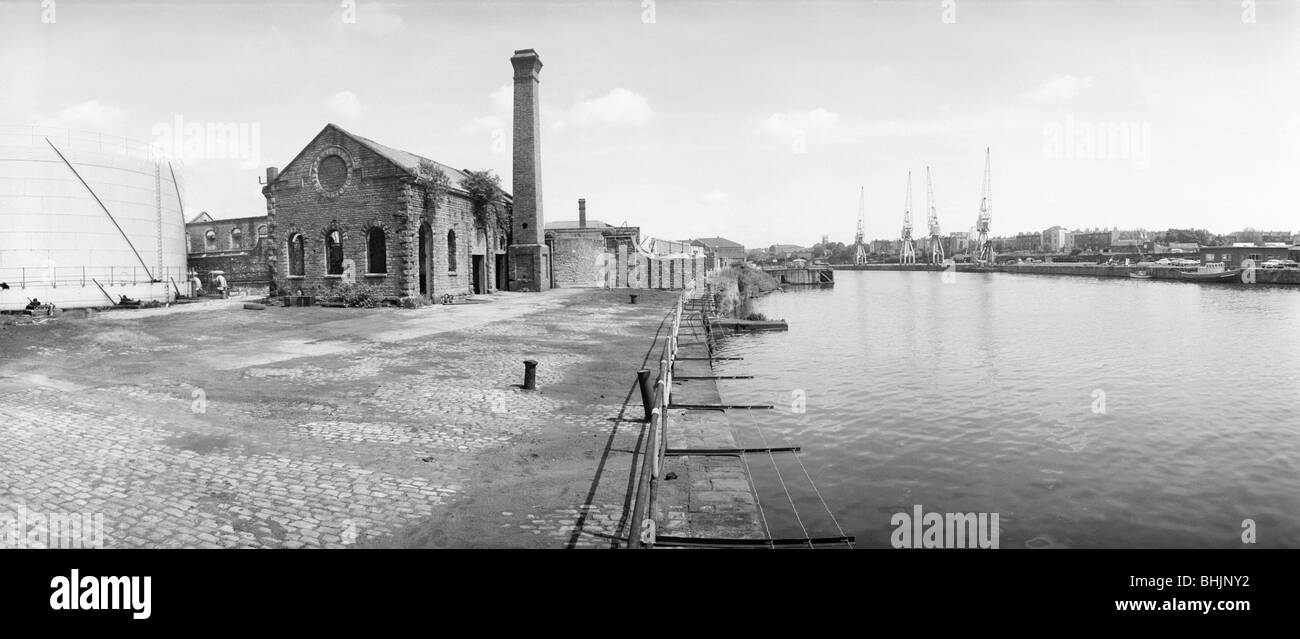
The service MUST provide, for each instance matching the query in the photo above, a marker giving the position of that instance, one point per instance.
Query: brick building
(956, 243)
(1096, 240)
(348, 209)
(1233, 256)
(1057, 240)
(581, 250)
(237, 247)
(721, 251)
(1029, 242)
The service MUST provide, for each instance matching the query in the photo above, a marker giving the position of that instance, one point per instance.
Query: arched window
(261, 230)
(295, 255)
(210, 239)
(451, 251)
(236, 239)
(376, 252)
(333, 253)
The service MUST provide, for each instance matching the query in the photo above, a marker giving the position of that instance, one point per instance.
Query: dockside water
(1086, 412)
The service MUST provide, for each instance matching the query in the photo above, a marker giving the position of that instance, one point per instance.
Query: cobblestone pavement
(199, 430)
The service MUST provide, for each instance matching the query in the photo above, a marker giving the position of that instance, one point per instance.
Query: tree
(484, 188)
(434, 181)
(1249, 234)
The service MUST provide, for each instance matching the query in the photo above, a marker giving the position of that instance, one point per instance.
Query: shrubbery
(351, 294)
(734, 287)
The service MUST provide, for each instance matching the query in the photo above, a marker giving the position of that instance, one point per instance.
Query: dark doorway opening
(426, 234)
(501, 272)
(480, 273)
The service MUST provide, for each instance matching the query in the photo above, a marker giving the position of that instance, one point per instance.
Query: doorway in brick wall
(426, 238)
(501, 272)
(478, 273)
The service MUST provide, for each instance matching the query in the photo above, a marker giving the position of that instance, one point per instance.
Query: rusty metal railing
(642, 534)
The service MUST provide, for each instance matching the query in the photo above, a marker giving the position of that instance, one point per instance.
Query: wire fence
(20, 277)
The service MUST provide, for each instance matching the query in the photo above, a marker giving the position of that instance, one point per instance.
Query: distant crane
(907, 252)
(983, 244)
(932, 216)
(859, 247)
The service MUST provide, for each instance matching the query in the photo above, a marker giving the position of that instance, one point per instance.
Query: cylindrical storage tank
(86, 218)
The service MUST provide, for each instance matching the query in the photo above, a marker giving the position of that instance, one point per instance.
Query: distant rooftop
(717, 242)
(573, 224)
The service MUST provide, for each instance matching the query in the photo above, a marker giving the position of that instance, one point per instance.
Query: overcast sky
(756, 121)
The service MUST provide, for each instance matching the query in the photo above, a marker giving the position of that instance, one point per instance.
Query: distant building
(579, 248)
(784, 251)
(1095, 240)
(238, 247)
(1249, 237)
(1233, 256)
(721, 251)
(1031, 242)
(1056, 240)
(957, 243)
(882, 247)
(1125, 246)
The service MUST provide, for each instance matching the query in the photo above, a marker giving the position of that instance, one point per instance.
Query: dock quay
(696, 488)
(804, 276)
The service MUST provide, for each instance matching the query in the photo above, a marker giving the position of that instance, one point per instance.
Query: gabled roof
(201, 217)
(404, 160)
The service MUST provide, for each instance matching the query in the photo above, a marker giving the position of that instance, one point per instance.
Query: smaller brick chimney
(582, 213)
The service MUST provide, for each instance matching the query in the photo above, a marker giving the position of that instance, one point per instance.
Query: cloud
(345, 104)
(502, 102)
(618, 108)
(716, 196)
(1059, 88)
(91, 115)
(784, 125)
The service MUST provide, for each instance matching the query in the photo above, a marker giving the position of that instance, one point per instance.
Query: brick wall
(196, 242)
(376, 194)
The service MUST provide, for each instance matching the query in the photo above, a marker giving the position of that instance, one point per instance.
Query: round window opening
(332, 172)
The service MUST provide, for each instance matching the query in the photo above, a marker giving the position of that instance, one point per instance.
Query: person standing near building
(220, 283)
(196, 284)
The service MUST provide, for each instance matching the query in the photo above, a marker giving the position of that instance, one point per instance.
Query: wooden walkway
(711, 495)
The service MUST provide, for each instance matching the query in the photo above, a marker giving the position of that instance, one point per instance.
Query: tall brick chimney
(582, 213)
(530, 259)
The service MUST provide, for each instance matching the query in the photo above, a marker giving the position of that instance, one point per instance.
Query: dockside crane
(907, 252)
(859, 248)
(982, 241)
(932, 216)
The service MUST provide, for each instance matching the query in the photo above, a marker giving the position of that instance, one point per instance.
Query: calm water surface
(984, 394)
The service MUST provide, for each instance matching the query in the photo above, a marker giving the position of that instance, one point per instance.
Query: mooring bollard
(530, 374)
(643, 380)
(633, 295)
